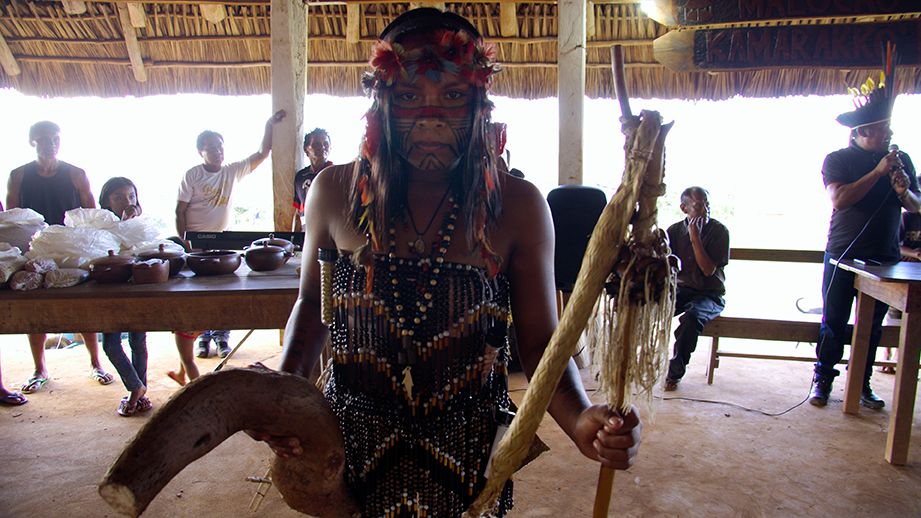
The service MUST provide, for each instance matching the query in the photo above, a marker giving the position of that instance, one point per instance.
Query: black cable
(736, 405)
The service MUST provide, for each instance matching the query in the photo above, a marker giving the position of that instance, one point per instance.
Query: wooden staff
(601, 255)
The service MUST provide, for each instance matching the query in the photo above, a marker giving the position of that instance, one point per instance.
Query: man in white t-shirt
(204, 203)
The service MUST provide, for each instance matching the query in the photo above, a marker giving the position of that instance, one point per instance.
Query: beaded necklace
(429, 269)
(418, 245)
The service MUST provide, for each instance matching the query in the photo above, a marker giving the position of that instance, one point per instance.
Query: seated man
(702, 244)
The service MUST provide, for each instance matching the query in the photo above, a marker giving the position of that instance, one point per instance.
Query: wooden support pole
(137, 14)
(213, 13)
(590, 20)
(352, 23)
(7, 61)
(289, 82)
(74, 7)
(508, 20)
(571, 81)
(131, 43)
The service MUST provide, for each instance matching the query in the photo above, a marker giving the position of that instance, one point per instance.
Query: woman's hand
(131, 211)
(605, 435)
(285, 447)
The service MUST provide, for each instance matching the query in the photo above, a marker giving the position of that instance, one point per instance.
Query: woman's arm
(598, 432)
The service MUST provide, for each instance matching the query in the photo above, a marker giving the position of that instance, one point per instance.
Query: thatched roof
(63, 54)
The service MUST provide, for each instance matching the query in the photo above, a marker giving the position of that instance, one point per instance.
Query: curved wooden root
(215, 406)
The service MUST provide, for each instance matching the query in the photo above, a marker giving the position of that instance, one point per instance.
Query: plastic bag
(154, 246)
(17, 226)
(73, 247)
(9, 266)
(8, 251)
(93, 218)
(25, 281)
(65, 277)
(135, 231)
(40, 265)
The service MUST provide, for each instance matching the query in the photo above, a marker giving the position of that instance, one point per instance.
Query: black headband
(427, 18)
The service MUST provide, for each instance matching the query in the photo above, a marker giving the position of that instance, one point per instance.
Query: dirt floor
(697, 458)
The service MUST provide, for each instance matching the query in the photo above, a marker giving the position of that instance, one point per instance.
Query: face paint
(431, 121)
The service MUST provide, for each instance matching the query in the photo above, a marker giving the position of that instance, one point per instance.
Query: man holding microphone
(869, 184)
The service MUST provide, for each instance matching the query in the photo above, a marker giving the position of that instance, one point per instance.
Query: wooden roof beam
(131, 43)
(7, 61)
(214, 13)
(508, 20)
(74, 7)
(352, 23)
(138, 15)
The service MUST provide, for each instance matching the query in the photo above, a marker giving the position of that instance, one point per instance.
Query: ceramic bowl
(151, 271)
(276, 241)
(265, 258)
(111, 268)
(214, 262)
(176, 258)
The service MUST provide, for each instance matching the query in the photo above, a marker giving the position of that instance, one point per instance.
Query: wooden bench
(756, 328)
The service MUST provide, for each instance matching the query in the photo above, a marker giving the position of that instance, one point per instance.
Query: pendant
(418, 246)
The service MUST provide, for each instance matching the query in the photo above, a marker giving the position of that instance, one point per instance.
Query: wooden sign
(691, 13)
(799, 46)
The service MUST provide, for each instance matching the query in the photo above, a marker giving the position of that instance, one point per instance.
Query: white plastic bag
(73, 247)
(93, 218)
(17, 226)
(8, 251)
(25, 281)
(135, 231)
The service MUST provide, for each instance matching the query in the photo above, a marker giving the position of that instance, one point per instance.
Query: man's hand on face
(696, 224)
(131, 211)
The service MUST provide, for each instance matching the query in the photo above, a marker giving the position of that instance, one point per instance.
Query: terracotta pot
(111, 268)
(176, 259)
(214, 262)
(151, 271)
(266, 257)
(276, 241)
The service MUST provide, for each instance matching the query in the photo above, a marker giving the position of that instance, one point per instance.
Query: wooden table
(898, 285)
(243, 300)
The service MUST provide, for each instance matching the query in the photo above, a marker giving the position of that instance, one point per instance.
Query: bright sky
(759, 158)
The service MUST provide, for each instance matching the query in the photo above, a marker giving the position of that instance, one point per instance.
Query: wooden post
(137, 14)
(289, 80)
(74, 7)
(7, 60)
(571, 82)
(508, 20)
(352, 23)
(131, 43)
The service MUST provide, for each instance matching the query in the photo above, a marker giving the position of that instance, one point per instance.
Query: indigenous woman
(428, 249)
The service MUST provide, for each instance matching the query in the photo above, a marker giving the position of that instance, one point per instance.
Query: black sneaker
(223, 349)
(821, 389)
(671, 385)
(202, 350)
(869, 399)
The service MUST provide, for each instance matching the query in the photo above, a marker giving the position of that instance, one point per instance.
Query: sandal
(102, 377)
(126, 409)
(144, 404)
(33, 385)
(13, 399)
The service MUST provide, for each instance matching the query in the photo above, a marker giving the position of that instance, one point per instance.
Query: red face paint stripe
(430, 111)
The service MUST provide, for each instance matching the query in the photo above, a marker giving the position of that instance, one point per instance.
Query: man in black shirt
(868, 185)
(316, 145)
(702, 244)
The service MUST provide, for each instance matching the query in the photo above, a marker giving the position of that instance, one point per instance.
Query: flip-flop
(144, 404)
(102, 377)
(33, 385)
(13, 399)
(126, 409)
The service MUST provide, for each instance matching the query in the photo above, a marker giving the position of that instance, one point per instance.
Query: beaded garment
(418, 377)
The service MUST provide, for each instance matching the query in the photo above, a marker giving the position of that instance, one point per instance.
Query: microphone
(898, 157)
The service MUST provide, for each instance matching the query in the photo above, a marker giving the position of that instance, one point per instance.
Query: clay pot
(276, 241)
(111, 268)
(214, 262)
(151, 271)
(176, 259)
(266, 257)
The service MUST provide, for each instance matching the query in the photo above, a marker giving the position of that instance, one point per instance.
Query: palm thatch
(62, 54)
